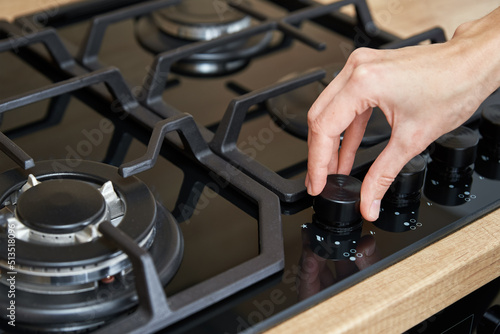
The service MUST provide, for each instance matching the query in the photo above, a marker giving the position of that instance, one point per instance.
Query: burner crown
(60, 206)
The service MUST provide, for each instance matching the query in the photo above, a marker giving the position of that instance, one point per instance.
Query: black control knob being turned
(337, 207)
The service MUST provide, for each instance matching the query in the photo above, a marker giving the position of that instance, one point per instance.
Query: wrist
(478, 43)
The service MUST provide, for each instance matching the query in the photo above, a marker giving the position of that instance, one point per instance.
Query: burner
(53, 216)
(289, 110)
(63, 211)
(60, 206)
(199, 20)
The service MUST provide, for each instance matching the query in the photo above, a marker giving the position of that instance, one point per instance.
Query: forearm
(479, 42)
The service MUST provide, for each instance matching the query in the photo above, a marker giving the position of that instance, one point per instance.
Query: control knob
(399, 209)
(488, 159)
(405, 189)
(449, 174)
(453, 154)
(337, 207)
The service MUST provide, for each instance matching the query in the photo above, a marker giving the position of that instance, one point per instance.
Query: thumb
(380, 177)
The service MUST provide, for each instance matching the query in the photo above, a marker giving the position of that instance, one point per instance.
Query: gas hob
(153, 163)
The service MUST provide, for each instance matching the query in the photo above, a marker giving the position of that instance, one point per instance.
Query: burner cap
(60, 206)
(200, 20)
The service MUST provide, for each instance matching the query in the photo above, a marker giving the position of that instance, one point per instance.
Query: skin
(424, 91)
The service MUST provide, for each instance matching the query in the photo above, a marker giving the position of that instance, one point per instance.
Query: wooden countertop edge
(411, 290)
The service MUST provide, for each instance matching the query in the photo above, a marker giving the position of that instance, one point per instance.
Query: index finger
(324, 135)
(323, 149)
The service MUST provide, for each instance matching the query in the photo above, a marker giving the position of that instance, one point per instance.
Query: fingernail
(309, 188)
(308, 184)
(374, 209)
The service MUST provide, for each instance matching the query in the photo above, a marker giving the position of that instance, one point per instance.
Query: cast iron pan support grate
(185, 125)
(269, 261)
(156, 80)
(153, 305)
(48, 37)
(434, 35)
(16, 153)
(154, 85)
(110, 76)
(60, 55)
(155, 310)
(89, 51)
(289, 23)
(226, 137)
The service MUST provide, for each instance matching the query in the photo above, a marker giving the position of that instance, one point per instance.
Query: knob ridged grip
(338, 203)
(456, 148)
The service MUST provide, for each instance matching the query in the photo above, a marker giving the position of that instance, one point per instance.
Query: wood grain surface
(416, 288)
(12, 8)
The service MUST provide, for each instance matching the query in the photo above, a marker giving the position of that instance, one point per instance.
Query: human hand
(424, 92)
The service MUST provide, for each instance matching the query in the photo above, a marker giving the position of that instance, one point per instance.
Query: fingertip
(312, 189)
(315, 185)
(374, 210)
(379, 178)
(373, 190)
(369, 207)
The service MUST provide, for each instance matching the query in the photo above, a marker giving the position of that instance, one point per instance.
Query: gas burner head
(58, 207)
(199, 20)
(61, 212)
(52, 217)
(289, 110)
